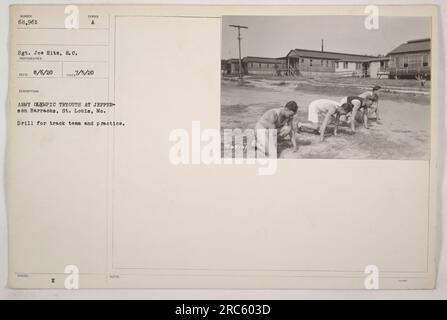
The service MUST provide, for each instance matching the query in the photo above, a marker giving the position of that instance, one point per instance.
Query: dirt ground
(403, 134)
(318, 79)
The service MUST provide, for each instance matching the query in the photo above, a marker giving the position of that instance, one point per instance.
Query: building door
(365, 69)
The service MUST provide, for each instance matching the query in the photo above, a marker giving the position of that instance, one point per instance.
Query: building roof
(329, 55)
(412, 46)
(263, 60)
(379, 59)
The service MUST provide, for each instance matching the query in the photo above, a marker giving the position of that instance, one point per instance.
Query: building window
(260, 65)
(345, 65)
(327, 63)
(425, 60)
(311, 62)
(302, 60)
(401, 62)
(321, 62)
(251, 65)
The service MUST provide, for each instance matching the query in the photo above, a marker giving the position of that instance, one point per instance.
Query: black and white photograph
(329, 87)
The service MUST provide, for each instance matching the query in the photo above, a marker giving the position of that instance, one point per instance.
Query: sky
(274, 37)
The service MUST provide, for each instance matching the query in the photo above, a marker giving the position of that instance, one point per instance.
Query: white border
(439, 293)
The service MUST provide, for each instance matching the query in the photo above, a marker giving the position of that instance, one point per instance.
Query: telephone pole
(240, 55)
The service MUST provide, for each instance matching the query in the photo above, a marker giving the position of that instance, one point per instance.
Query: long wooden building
(253, 66)
(305, 62)
(409, 60)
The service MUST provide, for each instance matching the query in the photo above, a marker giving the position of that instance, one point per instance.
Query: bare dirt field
(403, 134)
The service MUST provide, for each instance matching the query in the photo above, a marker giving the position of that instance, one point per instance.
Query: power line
(239, 27)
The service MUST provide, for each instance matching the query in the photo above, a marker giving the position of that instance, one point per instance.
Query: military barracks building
(410, 59)
(406, 61)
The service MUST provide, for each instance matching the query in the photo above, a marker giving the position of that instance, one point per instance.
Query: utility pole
(240, 55)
